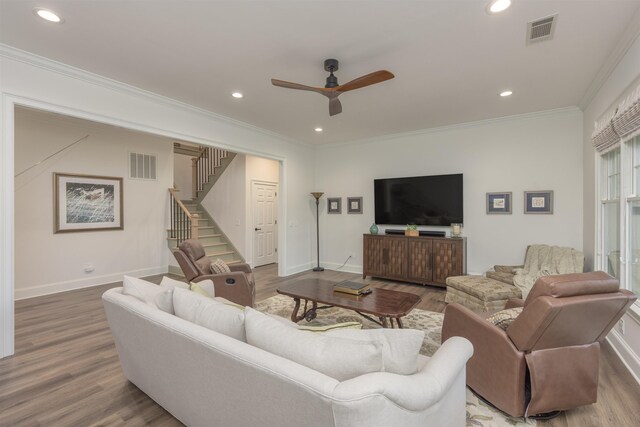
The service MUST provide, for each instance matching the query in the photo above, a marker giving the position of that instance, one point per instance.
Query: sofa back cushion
(211, 314)
(160, 297)
(336, 357)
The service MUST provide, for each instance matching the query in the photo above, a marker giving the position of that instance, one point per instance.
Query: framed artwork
(538, 202)
(87, 203)
(334, 205)
(354, 205)
(498, 203)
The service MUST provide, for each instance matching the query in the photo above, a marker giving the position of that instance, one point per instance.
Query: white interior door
(265, 223)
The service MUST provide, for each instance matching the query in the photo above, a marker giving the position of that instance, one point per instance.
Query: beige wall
(46, 262)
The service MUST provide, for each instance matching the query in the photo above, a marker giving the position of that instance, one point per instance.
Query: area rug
(478, 413)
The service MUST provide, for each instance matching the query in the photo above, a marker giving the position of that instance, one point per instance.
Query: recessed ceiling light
(498, 5)
(318, 129)
(237, 95)
(47, 15)
(506, 93)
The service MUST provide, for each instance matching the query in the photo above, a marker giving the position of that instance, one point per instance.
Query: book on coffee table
(348, 287)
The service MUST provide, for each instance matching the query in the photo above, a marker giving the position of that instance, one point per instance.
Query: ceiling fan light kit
(333, 89)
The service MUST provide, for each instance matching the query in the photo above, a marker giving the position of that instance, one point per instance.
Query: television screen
(421, 200)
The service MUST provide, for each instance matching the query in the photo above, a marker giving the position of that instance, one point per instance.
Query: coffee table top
(380, 302)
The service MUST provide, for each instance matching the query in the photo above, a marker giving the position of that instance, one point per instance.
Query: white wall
(183, 175)
(46, 262)
(229, 201)
(625, 74)
(226, 203)
(535, 152)
(33, 81)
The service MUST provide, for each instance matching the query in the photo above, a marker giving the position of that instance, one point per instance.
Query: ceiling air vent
(541, 29)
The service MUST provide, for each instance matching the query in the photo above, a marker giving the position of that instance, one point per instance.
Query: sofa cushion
(501, 276)
(204, 287)
(220, 267)
(156, 296)
(503, 319)
(209, 313)
(339, 358)
(400, 347)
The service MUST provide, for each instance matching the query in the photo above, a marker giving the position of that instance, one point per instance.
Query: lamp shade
(317, 194)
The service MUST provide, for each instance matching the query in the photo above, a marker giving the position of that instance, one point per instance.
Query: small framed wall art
(538, 202)
(498, 203)
(87, 203)
(354, 205)
(334, 205)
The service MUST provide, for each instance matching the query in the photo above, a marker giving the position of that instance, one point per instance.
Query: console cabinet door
(419, 260)
(373, 248)
(393, 257)
(447, 259)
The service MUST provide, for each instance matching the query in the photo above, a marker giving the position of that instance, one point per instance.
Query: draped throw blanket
(544, 260)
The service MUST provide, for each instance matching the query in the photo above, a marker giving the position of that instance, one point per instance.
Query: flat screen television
(421, 200)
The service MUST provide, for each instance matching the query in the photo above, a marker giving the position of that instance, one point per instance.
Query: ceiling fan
(332, 89)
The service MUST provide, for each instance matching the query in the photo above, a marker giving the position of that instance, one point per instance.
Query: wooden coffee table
(385, 304)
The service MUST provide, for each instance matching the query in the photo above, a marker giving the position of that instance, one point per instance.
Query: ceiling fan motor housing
(331, 65)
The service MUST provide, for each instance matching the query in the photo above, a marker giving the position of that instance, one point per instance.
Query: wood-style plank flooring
(66, 372)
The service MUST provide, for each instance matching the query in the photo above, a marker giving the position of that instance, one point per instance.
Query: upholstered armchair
(237, 286)
(547, 359)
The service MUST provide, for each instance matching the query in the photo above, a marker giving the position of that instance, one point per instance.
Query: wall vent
(541, 29)
(142, 166)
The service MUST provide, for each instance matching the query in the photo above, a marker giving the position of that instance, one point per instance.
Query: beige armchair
(237, 286)
(547, 359)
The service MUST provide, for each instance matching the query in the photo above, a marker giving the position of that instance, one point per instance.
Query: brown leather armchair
(237, 286)
(547, 359)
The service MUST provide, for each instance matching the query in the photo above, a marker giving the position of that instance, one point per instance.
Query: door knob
(258, 229)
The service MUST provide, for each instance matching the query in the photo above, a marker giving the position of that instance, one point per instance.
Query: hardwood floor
(66, 371)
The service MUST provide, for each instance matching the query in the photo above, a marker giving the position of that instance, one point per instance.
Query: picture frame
(334, 205)
(87, 203)
(354, 205)
(538, 202)
(499, 203)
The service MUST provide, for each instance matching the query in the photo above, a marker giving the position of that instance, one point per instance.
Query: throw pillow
(327, 328)
(503, 319)
(169, 283)
(339, 358)
(220, 267)
(400, 347)
(209, 313)
(156, 296)
(204, 288)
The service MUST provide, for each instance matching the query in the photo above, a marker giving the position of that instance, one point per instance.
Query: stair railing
(184, 224)
(204, 165)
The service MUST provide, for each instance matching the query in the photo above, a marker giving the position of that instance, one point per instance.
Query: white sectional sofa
(205, 378)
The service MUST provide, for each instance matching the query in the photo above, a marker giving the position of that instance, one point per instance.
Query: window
(619, 223)
(610, 212)
(633, 217)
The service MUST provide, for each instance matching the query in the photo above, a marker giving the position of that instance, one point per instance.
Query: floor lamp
(317, 195)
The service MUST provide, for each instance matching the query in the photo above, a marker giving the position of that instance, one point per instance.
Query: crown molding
(32, 59)
(459, 126)
(629, 36)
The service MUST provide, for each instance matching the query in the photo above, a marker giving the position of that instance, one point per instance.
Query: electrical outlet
(621, 326)
(88, 268)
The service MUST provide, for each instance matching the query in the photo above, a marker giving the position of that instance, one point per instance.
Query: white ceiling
(450, 58)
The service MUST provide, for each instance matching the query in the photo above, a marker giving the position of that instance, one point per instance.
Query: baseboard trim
(625, 353)
(336, 266)
(54, 288)
(299, 268)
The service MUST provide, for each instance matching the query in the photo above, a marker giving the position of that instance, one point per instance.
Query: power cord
(344, 263)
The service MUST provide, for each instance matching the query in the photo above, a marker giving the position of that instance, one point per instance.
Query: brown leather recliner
(547, 359)
(237, 286)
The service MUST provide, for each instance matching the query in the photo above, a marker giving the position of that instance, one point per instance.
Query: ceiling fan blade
(298, 86)
(335, 107)
(369, 79)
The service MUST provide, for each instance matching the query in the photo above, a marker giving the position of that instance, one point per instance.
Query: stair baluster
(184, 224)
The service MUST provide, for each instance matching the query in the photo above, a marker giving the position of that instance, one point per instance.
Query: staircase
(188, 217)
